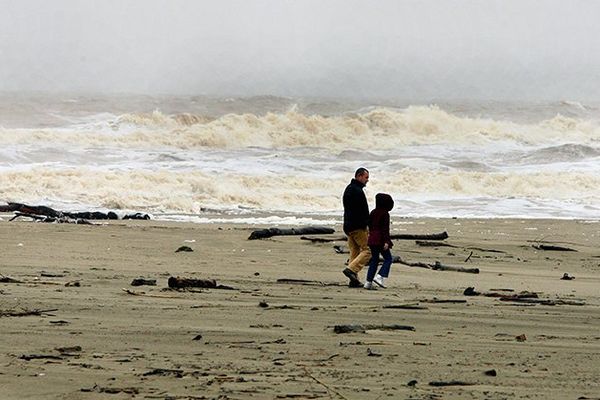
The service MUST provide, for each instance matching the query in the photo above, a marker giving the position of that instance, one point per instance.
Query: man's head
(362, 175)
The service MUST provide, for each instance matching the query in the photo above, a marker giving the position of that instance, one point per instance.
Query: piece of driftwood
(548, 247)
(443, 301)
(450, 383)
(6, 279)
(486, 250)
(144, 294)
(437, 266)
(26, 313)
(308, 230)
(545, 302)
(501, 293)
(60, 220)
(405, 306)
(28, 357)
(56, 216)
(323, 239)
(307, 282)
(440, 267)
(427, 243)
(425, 236)
(143, 281)
(363, 328)
(178, 282)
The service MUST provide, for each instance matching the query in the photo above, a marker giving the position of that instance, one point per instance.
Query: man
(356, 219)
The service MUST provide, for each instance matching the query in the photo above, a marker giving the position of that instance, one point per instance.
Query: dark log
(426, 243)
(178, 283)
(450, 383)
(6, 279)
(37, 211)
(440, 267)
(270, 232)
(307, 282)
(430, 236)
(405, 307)
(28, 357)
(363, 328)
(548, 247)
(324, 240)
(143, 281)
(25, 313)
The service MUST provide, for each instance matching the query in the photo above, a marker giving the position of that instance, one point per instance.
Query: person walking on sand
(356, 218)
(379, 240)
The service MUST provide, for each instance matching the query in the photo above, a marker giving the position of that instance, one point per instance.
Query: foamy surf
(432, 161)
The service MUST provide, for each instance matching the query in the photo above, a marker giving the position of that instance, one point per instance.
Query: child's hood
(384, 200)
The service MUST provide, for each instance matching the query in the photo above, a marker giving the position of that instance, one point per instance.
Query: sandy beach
(70, 331)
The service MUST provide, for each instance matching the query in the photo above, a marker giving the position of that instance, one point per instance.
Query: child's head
(384, 200)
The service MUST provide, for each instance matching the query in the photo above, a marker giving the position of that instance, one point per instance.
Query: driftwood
(548, 247)
(6, 279)
(545, 302)
(307, 282)
(440, 267)
(60, 220)
(143, 281)
(324, 240)
(443, 301)
(25, 313)
(184, 283)
(363, 328)
(470, 291)
(529, 298)
(405, 306)
(270, 232)
(437, 266)
(426, 236)
(427, 243)
(37, 212)
(28, 357)
(450, 383)
(178, 283)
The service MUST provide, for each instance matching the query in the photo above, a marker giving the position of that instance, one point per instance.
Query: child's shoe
(379, 280)
(369, 285)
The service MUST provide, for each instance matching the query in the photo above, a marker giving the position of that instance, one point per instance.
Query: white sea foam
(434, 162)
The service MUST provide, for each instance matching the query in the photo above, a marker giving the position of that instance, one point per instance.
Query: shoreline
(211, 343)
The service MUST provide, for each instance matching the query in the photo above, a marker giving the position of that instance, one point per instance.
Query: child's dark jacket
(379, 221)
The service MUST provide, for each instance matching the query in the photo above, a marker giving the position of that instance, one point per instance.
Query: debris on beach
(185, 283)
(350, 328)
(548, 247)
(450, 383)
(177, 282)
(184, 248)
(47, 214)
(270, 232)
(143, 281)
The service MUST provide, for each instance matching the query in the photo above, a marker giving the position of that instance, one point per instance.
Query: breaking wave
(379, 127)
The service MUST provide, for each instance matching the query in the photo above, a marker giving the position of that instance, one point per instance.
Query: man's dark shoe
(354, 282)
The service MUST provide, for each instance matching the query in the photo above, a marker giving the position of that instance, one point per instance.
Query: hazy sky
(418, 49)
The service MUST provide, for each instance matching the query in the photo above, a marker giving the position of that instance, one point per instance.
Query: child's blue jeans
(385, 267)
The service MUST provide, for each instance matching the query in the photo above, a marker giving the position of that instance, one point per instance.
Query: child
(379, 240)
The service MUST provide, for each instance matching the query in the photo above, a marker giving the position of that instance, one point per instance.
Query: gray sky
(417, 49)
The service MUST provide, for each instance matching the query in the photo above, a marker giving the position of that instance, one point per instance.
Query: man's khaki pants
(360, 254)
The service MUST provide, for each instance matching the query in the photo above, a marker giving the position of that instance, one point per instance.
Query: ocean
(287, 160)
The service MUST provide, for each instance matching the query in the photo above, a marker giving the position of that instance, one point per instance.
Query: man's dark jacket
(356, 208)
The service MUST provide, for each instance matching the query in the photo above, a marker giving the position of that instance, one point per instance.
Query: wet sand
(96, 341)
